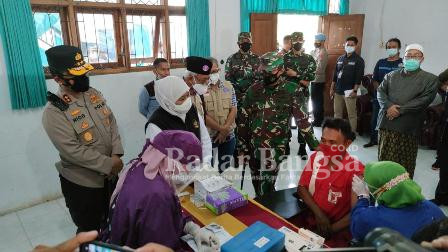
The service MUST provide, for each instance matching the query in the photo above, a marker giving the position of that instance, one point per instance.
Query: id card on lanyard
(344, 62)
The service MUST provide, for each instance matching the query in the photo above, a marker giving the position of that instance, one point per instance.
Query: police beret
(65, 58)
(198, 65)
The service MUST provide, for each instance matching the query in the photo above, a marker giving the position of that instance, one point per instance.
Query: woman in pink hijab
(145, 207)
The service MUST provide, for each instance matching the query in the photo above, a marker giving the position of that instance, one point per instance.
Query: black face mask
(245, 47)
(81, 84)
(317, 45)
(269, 78)
(297, 46)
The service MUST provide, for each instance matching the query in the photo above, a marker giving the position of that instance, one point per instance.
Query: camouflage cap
(244, 35)
(297, 36)
(271, 61)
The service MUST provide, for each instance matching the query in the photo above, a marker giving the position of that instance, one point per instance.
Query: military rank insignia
(67, 98)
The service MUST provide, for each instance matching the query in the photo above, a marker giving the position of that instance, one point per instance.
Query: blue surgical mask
(411, 64)
(349, 49)
(391, 52)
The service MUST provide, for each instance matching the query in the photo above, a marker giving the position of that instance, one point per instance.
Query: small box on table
(258, 237)
(210, 185)
(225, 200)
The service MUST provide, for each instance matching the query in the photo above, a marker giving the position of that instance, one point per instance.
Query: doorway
(289, 23)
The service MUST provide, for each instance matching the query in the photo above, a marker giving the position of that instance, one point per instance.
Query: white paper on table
(304, 240)
(221, 234)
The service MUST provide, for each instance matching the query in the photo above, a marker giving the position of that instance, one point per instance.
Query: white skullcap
(415, 47)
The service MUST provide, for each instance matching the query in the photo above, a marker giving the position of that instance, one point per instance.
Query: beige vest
(218, 105)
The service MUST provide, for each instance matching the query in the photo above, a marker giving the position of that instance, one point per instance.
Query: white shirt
(206, 142)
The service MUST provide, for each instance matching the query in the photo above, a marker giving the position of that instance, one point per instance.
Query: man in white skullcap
(403, 96)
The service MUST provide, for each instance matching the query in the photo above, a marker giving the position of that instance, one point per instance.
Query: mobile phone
(97, 246)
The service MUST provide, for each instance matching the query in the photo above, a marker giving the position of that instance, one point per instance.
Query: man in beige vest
(221, 108)
(320, 55)
(84, 131)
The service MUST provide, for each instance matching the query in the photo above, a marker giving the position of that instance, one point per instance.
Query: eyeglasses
(413, 56)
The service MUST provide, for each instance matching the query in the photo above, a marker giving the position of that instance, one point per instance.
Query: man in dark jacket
(442, 150)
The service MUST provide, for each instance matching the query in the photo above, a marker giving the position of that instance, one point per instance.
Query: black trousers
(88, 206)
(442, 158)
(317, 99)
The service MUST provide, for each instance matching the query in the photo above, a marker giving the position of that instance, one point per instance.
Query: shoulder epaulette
(56, 101)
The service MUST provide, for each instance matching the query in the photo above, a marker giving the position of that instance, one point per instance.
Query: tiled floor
(50, 223)
(47, 223)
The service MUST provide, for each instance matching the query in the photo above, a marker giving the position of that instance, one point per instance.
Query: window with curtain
(334, 6)
(114, 35)
(178, 29)
(48, 30)
(141, 36)
(97, 37)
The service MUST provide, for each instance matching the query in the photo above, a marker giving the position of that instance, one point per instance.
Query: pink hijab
(172, 152)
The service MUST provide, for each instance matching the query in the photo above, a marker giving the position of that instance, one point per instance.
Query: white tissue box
(210, 185)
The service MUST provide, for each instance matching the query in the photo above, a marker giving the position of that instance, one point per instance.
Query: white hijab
(167, 91)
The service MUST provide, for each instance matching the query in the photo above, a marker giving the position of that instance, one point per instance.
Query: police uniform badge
(195, 124)
(78, 57)
(75, 112)
(93, 98)
(88, 136)
(84, 125)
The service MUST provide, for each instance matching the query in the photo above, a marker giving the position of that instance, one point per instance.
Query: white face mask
(214, 78)
(200, 89)
(184, 107)
(349, 49)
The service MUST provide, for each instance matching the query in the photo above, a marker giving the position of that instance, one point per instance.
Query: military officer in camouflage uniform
(242, 66)
(300, 69)
(241, 70)
(264, 122)
(84, 131)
